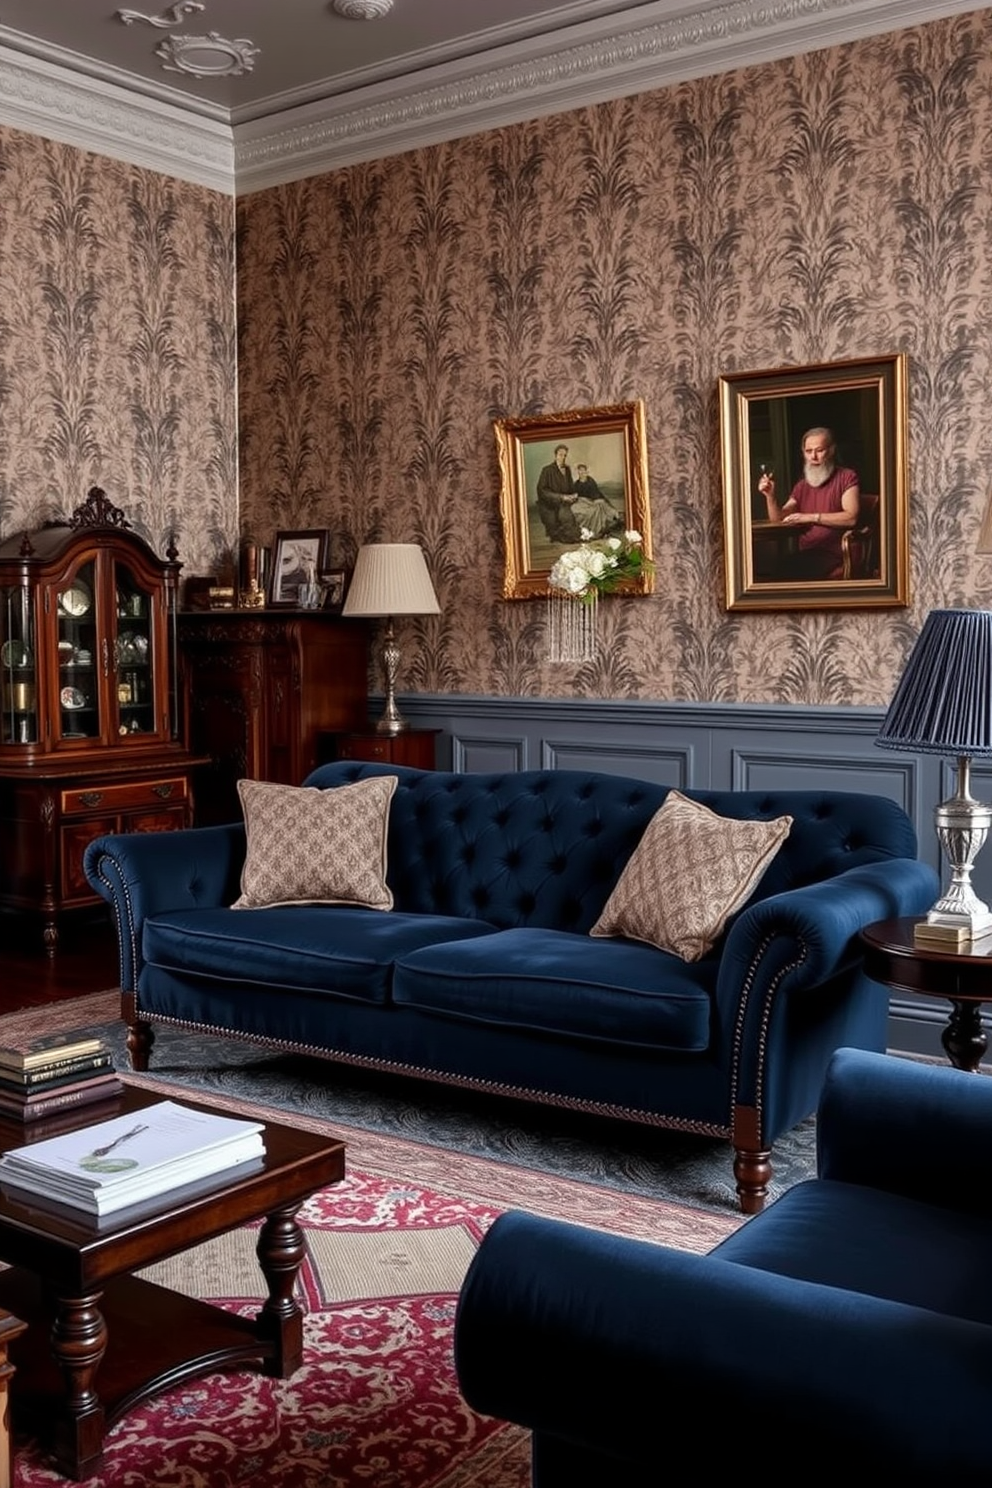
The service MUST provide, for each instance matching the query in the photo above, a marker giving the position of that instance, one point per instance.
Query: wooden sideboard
(257, 689)
(416, 747)
(50, 814)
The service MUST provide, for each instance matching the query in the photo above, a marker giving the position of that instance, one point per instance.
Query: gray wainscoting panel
(816, 769)
(662, 766)
(729, 746)
(479, 754)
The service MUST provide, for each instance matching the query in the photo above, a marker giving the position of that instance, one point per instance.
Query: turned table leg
(280, 1250)
(79, 1342)
(964, 1039)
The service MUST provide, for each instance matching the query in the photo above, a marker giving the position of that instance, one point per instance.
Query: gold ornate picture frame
(763, 419)
(545, 503)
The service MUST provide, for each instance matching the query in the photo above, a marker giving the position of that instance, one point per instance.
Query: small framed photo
(565, 474)
(297, 559)
(815, 485)
(333, 581)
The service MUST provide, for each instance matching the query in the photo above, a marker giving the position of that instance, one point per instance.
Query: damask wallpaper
(117, 347)
(828, 206)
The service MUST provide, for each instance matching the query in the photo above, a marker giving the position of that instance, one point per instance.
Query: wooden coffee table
(100, 1339)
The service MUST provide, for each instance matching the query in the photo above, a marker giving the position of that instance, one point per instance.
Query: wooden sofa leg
(140, 1035)
(752, 1160)
(753, 1171)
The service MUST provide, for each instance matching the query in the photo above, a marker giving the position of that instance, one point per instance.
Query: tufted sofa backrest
(546, 847)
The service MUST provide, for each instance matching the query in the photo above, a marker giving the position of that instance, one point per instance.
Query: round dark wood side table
(964, 977)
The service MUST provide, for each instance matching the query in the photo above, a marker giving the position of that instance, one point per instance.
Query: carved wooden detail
(258, 690)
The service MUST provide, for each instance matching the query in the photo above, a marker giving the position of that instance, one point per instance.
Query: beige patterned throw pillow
(688, 874)
(310, 846)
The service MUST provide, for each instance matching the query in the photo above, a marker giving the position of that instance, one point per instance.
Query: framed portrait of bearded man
(814, 465)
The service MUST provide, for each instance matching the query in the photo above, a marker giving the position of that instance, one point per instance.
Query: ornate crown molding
(91, 114)
(619, 56)
(632, 52)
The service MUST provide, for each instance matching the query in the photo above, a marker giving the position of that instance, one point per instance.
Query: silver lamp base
(962, 827)
(392, 720)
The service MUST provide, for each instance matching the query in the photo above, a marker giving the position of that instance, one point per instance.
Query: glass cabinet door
(134, 655)
(18, 653)
(78, 657)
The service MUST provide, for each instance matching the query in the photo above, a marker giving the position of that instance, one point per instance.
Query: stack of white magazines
(133, 1158)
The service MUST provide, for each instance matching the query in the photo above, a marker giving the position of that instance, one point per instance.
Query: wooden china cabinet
(89, 737)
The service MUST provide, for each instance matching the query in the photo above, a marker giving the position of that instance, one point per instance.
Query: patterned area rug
(631, 1159)
(376, 1400)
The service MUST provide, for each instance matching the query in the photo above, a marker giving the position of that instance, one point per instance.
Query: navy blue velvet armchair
(848, 1327)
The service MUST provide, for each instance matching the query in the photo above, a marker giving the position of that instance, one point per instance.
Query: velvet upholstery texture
(849, 1325)
(485, 974)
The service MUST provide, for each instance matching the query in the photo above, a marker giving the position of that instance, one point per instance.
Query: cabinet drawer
(125, 796)
(413, 747)
(364, 748)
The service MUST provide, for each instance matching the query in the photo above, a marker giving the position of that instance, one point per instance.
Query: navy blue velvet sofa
(484, 975)
(849, 1326)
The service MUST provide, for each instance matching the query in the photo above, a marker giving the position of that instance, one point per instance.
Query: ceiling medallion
(167, 18)
(362, 10)
(207, 56)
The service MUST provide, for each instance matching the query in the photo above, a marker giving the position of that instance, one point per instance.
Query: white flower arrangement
(599, 567)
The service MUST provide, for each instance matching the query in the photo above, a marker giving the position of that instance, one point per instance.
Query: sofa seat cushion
(868, 1241)
(337, 949)
(565, 985)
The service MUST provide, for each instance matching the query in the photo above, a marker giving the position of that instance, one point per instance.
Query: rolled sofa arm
(922, 1130)
(820, 923)
(141, 874)
(614, 1345)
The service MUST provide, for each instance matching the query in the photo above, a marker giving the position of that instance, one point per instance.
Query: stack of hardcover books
(54, 1074)
(133, 1158)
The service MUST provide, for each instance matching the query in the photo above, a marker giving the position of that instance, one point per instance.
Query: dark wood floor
(85, 961)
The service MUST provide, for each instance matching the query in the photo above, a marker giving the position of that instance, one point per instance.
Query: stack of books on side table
(51, 1075)
(132, 1158)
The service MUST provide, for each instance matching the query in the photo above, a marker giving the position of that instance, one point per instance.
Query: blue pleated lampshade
(943, 704)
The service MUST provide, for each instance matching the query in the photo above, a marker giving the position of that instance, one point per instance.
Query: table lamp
(943, 705)
(390, 579)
